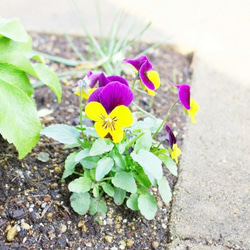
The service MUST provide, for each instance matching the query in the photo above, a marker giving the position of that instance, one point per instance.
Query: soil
(35, 203)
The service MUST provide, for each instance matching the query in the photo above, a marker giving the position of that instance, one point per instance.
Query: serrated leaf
(80, 202)
(49, 78)
(98, 206)
(19, 122)
(70, 164)
(150, 163)
(104, 165)
(12, 29)
(108, 189)
(119, 196)
(164, 190)
(124, 181)
(62, 133)
(101, 146)
(14, 53)
(147, 205)
(144, 142)
(13, 76)
(80, 185)
(17, 54)
(132, 202)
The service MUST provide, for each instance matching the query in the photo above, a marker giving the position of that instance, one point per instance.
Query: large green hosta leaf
(19, 122)
(12, 29)
(17, 54)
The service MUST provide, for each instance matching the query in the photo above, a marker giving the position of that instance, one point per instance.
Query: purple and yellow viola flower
(190, 105)
(175, 152)
(86, 86)
(108, 108)
(149, 78)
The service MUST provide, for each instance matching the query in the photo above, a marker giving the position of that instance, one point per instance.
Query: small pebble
(63, 228)
(155, 244)
(11, 233)
(54, 185)
(109, 239)
(25, 226)
(130, 243)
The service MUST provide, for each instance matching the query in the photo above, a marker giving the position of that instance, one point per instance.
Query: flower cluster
(120, 154)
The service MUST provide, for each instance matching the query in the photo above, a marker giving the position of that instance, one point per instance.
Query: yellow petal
(117, 134)
(150, 92)
(154, 77)
(95, 111)
(101, 131)
(194, 108)
(175, 153)
(84, 94)
(122, 116)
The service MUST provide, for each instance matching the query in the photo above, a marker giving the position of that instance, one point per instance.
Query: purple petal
(143, 76)
(115, 94)
(103, 80)
(137, 63)
(94, 97)
(118, 79)
(171, 137)
(92, 78)
(184, 95)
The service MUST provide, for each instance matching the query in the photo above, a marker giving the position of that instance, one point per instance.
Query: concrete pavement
(211, 201)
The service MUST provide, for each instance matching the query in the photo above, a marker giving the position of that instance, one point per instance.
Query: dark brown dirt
(36, 202)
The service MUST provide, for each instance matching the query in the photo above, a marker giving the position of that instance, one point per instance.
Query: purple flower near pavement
(171, 137)
(143, 66)
(184, 94)
(112, 95)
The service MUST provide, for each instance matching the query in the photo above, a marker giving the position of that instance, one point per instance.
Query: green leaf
(62, 133)
(19, 122)
(17, 54)
(108, 189)
(98, 206)
(147, 205)
(147, 123)
(12, 29)
(49, 78)
(14, 53)
(169, 163)
(80, 202)
(132, 202)
(101, 146)
(144, 142)
(104, 165)
(80, 185)
(164, 190)
(96, 191)
(82, 154)
(13, 76)
(90, 162)
(142, 177)
(124, 181)
(70, 164)
(150, 163)
(119, 195)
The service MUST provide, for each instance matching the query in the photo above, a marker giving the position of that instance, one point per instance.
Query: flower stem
(134, 81)
(135, 139)
(144, 111)
(151, 101)
(80, 106)
(165, 119)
